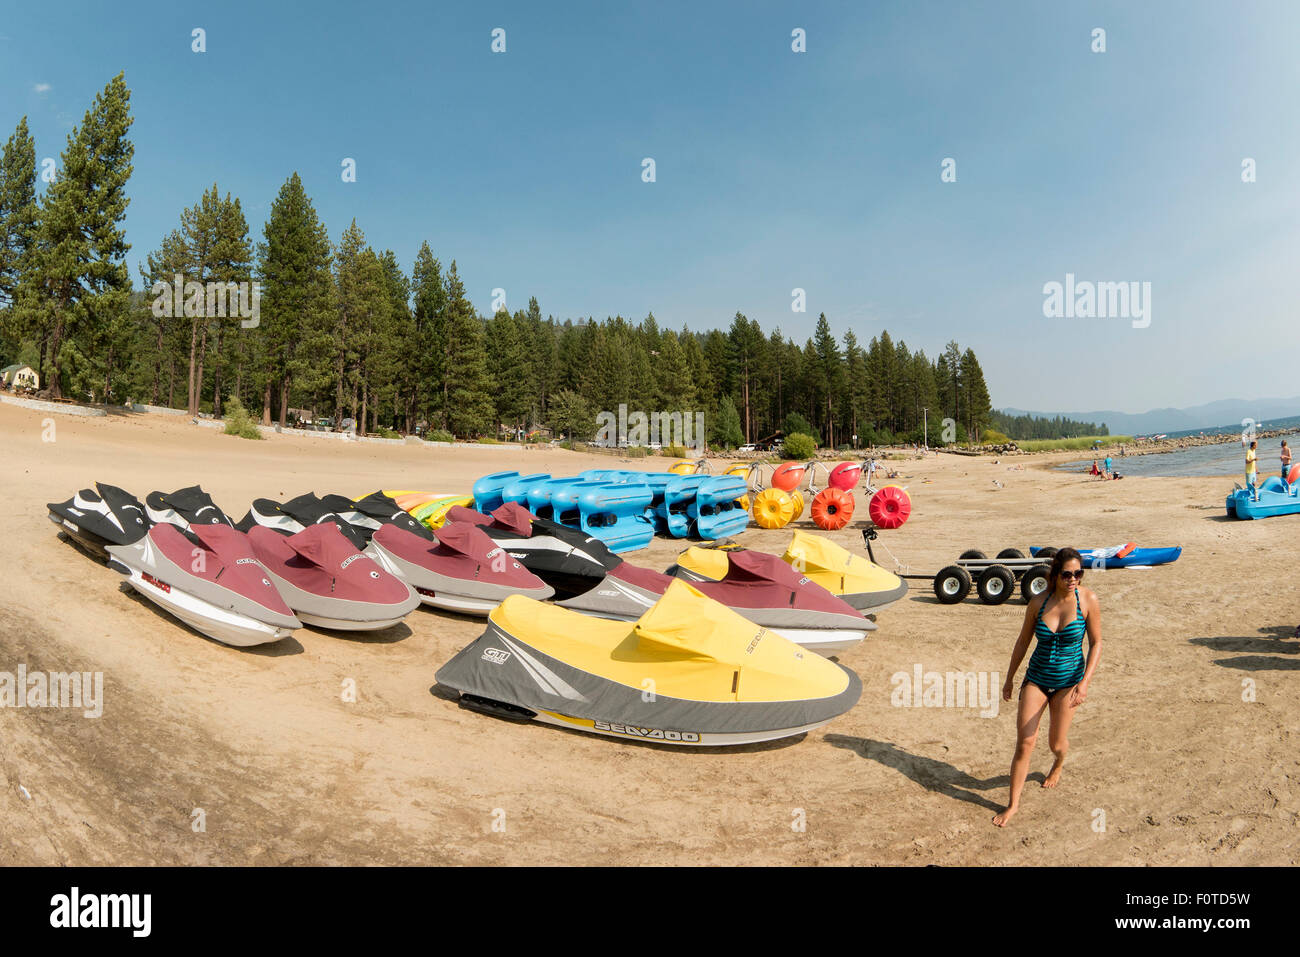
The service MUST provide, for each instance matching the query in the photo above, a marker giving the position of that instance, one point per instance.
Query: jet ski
(464, 571)
(218, 588)
(567, 559)
(860, 582)
(97, 519)
(291, 517)
(369, 513)
(761, 588)
(184, 508)
(688, 672)
(327, 582)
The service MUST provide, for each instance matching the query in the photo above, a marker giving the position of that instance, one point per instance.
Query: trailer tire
(1034, 582)
(952, 585)
(1047, 553)
(1010, 553)
(996, 584)
(971, 553)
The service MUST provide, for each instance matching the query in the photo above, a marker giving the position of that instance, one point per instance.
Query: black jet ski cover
(96, 519)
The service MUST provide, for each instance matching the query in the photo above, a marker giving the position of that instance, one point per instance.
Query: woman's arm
(1093, 618)
(1022, 645)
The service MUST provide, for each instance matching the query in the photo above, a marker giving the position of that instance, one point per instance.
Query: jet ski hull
(211, 582)
(88, 540)
(221, 624)
(690, 739)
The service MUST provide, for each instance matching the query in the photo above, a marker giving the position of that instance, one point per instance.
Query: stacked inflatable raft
(624, 509)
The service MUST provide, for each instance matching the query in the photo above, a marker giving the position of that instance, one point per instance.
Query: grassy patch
(1082, 443)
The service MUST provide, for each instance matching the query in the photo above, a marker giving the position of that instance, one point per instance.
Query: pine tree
(18, 211)
(976, 395)
(467, 387)
(80, 277)
(296, 320)
(428, 350)
(726, 431)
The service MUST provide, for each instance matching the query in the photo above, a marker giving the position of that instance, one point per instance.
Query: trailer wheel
(952, 585)
(971, 553)
(1047, 553)
(1010, 553)
(996, 583)
(1034, 582)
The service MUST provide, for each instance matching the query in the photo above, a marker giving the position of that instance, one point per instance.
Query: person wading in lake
(1058, 676)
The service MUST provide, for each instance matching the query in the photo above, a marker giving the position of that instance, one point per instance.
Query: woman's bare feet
(1054, 776)
(1004, 817)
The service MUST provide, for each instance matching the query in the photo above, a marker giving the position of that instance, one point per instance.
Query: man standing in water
(1251, 457)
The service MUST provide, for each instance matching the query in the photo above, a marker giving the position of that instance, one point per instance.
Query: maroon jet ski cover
(226, 558)
(462, 551)
(320, 560)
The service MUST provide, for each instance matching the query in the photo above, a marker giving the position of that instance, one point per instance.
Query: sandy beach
(1165, 754)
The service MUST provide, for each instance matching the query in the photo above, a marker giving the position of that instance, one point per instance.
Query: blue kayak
(1106, 558)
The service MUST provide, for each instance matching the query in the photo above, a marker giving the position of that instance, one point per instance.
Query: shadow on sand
(1271, 642)
(933, 775)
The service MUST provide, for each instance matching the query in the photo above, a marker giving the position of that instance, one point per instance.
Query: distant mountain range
(1212, 415)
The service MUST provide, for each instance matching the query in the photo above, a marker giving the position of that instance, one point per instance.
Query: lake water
(1226, 459)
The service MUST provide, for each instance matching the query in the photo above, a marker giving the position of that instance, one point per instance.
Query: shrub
(794, 422)
(799, 446)
(386, 433)
(674, 451)
(636, 451)
(239, 422)
(994, 437)
(439, 435)
(485, 440)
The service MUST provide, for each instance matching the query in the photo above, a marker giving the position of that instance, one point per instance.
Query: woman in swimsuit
(1057, 677)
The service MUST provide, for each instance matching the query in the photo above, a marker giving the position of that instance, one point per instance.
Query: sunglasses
(1073, 576)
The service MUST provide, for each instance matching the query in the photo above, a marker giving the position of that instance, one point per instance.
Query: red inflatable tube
(788, 476)
(832, 509)
(845, 476)
(890, 507)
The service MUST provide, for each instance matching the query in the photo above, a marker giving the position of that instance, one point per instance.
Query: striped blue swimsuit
(1057, 662)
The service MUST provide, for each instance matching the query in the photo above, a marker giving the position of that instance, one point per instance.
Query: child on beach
(1058, 674)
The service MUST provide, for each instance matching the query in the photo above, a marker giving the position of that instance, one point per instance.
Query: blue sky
(775, 169)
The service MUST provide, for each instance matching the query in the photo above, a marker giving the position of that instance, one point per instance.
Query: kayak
(1121, 556)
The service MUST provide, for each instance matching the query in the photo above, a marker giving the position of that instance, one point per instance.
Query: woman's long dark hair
(1058, 565)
